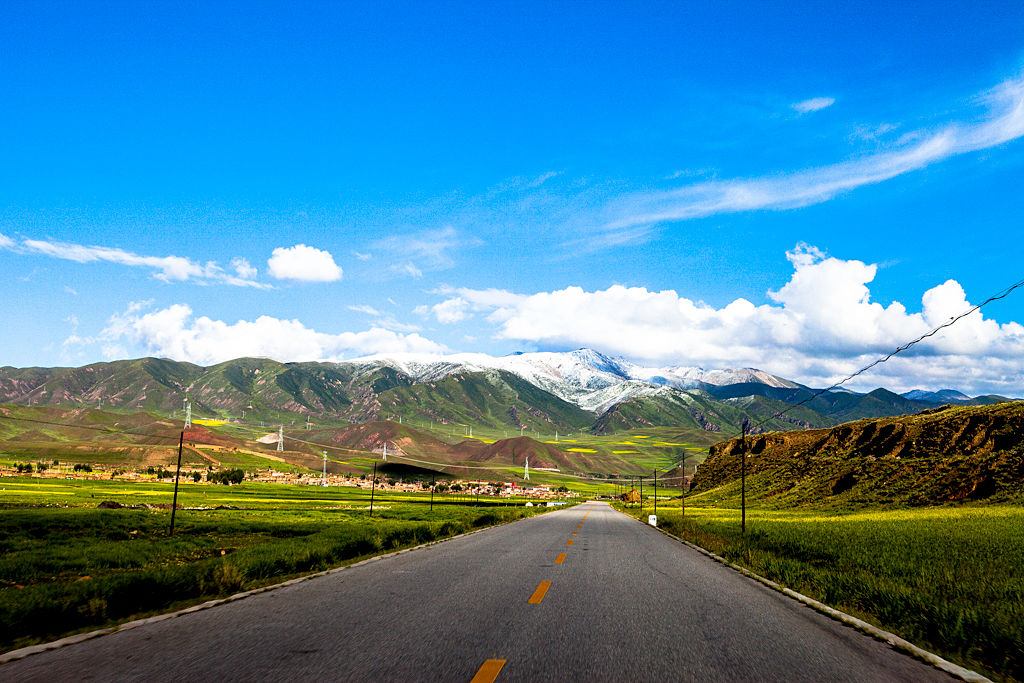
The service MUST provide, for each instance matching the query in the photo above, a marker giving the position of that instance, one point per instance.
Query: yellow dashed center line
(574, 533)
(570, 542)
(560, 559)
(538, 594)
(489, 671)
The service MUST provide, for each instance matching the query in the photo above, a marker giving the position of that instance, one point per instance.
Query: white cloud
(69, 290)
(5, 241)
(820, 327)
(134, 306)
(813, 104)
(540, 180)
(362, 257)
(304, 263)
(244, 269)
(369, 310)
(633, 216)
(168, 267)
(450, 311)
(175, 333)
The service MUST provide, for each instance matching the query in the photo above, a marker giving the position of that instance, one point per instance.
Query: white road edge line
(862, 626)
(21, 653)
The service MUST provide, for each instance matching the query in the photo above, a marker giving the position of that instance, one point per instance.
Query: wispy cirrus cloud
(633, 215)
(813, 104)
(383, 320)
(424, 251)
(167, 268)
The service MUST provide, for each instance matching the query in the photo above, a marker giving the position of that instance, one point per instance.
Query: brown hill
(940, 455)
(400, 439)
(515, 452)
(33, 435)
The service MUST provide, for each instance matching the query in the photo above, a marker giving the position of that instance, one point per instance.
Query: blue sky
(712, 184)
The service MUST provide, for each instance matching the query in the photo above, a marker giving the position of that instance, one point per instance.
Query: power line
(1002, 294)
(105, 430)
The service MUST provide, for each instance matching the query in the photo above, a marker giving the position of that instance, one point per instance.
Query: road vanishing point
(584, 594)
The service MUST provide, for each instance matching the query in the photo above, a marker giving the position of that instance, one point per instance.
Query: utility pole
(641, 493)
(655, 492)
(431, 491)
(325, 468)
(682, 486)
(174, 505)
(280, 438)
(373, 487)
(743, 478)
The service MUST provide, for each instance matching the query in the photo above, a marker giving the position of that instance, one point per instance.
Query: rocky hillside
(940, 455)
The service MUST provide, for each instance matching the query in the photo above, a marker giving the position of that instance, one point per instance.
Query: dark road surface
(625, 604)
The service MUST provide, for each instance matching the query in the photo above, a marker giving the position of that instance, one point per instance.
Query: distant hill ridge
(544, 391)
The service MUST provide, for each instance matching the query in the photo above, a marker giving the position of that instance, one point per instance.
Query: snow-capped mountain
(942, 396)
(584, 377)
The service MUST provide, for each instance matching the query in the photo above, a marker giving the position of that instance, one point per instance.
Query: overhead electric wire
(1002, 294)
(105, 430)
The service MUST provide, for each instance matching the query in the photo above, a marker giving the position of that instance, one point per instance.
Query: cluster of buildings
(503, 489)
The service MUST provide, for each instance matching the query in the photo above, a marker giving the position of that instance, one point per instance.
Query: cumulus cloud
(243, 268)
(820, 327)
(175, 332)
(450, 311)
(5, 241)
(304, 263)
(167, 268)
(631, 216)
(813, 104)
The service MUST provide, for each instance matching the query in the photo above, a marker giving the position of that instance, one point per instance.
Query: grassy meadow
(66, 566)
(949, 579)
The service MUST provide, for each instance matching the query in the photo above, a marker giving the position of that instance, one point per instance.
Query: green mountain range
(268, 392)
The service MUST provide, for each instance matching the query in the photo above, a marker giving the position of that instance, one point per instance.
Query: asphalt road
(626, 603)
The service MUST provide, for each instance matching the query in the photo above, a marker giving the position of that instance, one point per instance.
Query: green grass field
(949, 579)
(66, 566)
